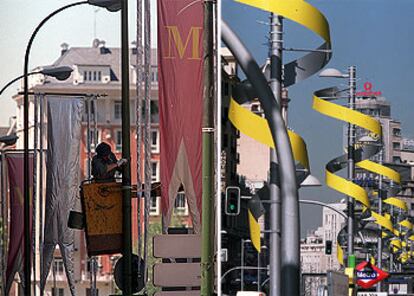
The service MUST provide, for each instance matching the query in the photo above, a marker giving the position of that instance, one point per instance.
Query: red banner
(180, 67)
(16, 226)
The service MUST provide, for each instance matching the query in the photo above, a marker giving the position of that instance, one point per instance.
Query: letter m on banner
(180, 68)
(175, 40)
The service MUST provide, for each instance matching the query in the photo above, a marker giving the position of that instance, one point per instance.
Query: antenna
(95, 12)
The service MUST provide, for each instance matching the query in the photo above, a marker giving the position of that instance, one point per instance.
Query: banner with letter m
(180, 66)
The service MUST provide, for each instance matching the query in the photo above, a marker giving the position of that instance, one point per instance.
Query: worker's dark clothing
(100, 167)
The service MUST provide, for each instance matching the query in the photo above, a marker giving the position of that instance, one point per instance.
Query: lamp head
(9, 140)
(310, 181)
(331, 72)
(110, 5)
(59, 72)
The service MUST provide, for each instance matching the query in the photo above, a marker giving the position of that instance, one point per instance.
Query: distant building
(313, 255)
(380, 108)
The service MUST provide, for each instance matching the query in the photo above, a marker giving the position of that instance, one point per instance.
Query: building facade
(96, 77)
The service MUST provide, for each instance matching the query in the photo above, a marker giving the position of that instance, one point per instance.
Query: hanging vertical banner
(64, 118)
(180, 67)
(15, 254)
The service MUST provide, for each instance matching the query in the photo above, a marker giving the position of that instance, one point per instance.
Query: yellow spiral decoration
(257, 127)
(348, 187)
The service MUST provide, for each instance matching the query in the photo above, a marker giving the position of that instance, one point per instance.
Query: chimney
(64, 48)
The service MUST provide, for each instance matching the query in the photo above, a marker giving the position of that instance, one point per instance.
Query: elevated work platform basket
(102, 208)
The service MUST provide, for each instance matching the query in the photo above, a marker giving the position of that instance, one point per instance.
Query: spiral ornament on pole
(263, 131)
(362, 156)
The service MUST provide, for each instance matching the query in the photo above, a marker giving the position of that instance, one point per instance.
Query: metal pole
(41, 172)
(26, 173)
(89, 151)
(391, 258)
(380, 197)
(3, 220)
(258, 272)
(276, 28)
(207, 223)
(138, 124)
(34, 192)
(147, 129)
(126, 169)
(54, 277)
(351, 167)
(242, 265)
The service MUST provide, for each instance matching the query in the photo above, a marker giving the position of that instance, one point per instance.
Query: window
(396, 159)
(118, 140)
(117, 110)
(180, 204)
(58, 292)
(58, 265)
(396, 145)
(396, 132)
(155, 176)
(155, 138)
(92, 75)
(154, 206)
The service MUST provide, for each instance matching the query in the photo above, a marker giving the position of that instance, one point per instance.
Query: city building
(314, 256)
(97, 75)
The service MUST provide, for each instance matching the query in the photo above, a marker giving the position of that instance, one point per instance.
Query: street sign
(368, 275)
(177, 275)
(372, 294)
(177, 246)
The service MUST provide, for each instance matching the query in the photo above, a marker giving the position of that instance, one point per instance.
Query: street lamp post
(351, 153)
(111, 5)
(60, 73)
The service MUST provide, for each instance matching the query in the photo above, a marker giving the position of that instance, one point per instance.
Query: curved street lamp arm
(319, 203)
(290, 230)
(16, 79)
(26, 176)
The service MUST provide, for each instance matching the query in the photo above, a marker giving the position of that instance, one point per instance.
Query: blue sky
(374, 35)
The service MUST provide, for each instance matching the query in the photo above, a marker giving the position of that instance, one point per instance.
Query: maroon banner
(180, 67)
(15, 255)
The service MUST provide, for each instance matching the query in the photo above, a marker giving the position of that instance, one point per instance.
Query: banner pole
(126, 169)
(207, 249)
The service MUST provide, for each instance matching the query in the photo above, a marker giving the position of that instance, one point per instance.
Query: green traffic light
(232, 207)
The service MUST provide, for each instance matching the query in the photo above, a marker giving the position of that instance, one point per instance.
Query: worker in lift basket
(105, 164)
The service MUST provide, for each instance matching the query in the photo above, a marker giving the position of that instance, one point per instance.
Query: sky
(374, 35)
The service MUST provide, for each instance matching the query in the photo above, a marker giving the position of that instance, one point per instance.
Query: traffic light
(328, 247)
(232, 201)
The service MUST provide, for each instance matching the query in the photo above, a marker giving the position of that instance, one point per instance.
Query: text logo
(368, 92)
(175, 40)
